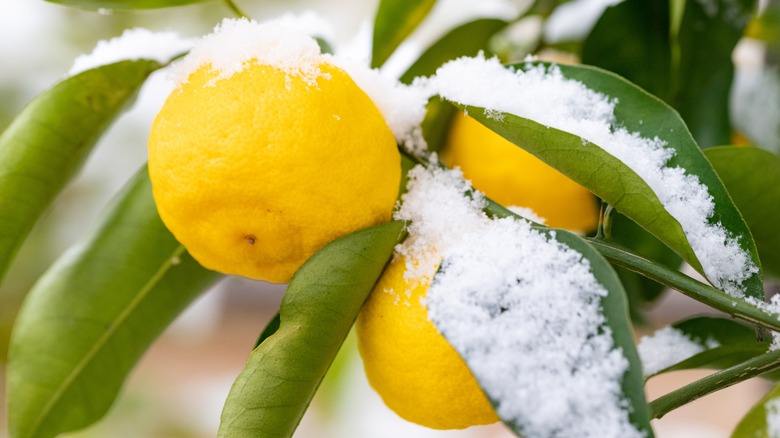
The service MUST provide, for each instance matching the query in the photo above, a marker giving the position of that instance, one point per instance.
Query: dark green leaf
(465, 40)
(126, 4)
(708, 34)
(632, 39)
(51, 138)
(93, 314)
(322, 301)
(436, 125)
(616, 183)
(735, 342)
(752, 177)
(640, 289)
(395, 20)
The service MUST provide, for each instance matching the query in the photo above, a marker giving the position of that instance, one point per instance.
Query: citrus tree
(493, 222)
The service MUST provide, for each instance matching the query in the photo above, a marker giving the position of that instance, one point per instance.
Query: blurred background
(180, 385)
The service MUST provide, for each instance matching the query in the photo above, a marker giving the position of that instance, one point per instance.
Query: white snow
(552, 100)
(773, 418)
(521, 309)
(133, 44)
(236, 42)
(287, 43)
(669, 346)
(573, 21)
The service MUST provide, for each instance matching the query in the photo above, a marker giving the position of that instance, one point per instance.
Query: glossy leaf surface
(321, 303)
(93, 314)
(51, 138)
(395, 20)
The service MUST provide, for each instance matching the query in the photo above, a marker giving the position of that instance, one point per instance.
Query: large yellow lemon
(410, 364)
(512, 176)
(255, 172)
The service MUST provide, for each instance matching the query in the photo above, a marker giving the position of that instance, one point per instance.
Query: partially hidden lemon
(410, 364)
(512, 176)
(255, 172)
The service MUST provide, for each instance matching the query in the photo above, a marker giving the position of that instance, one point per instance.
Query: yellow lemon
(255, 172)
(410, 364)
(512, 176)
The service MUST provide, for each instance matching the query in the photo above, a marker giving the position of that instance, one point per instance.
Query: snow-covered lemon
(254, 172)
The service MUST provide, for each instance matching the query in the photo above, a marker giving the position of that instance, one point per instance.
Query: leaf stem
(235, 9)
(714, 382)
(695, 289)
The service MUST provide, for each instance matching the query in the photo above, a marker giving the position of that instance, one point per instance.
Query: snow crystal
(282, 43)
(522, 309)
(438, 213)
(546, 97)
(527, 213)
(287, 43)
(773, 418)
(133, 44)
(667, 347)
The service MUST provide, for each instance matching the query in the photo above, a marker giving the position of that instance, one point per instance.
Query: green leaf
(632, 39)
(752, 177)
(93, 314)
(465, 40)
(125, 4)
(50, 140)
(613, 181)
(322, 301)
(708, 34)
(395, 20)
(735, 342)
(639, 289)
(754, 424)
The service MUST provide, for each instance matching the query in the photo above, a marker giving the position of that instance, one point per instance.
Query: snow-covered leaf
(625, 145)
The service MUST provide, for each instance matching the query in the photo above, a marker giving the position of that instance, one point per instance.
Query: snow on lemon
(521, 309)
(268, 150)
(544, 95)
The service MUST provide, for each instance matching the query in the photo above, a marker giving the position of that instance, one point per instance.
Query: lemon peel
(408, 362)
(254, 172)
